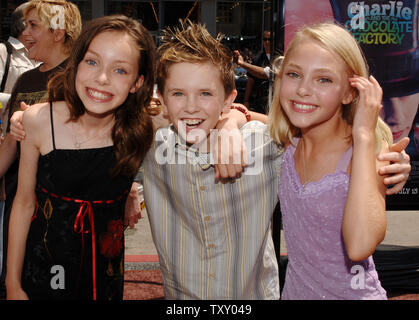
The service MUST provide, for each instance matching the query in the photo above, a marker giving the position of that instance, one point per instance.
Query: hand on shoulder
(35, 115)
(36, 120)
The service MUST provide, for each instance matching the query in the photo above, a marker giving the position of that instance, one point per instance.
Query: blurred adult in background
(256, 96)
(14, 61)
(19, 60)
(51, 30)
(252, 70)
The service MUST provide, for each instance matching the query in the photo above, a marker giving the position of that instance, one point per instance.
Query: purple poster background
(388, 34)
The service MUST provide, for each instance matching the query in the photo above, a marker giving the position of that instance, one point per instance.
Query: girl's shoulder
(38, 116)
(40, 112)
(36, 121)
(35, 113)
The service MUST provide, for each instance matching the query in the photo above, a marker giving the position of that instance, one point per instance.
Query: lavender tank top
(318, 265)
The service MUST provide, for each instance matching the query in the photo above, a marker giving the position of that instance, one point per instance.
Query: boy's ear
(163, 105)
(137, 85)
(229, 100)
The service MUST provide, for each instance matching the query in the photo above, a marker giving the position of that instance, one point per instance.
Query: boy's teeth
(191, 122)
(304, 106)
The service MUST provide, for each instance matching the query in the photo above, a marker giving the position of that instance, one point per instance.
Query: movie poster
(388, 34)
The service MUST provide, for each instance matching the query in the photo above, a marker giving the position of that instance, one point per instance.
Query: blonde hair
(47, 11)
(194, 44)
(338, 41)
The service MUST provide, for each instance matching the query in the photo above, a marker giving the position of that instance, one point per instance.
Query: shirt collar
(15, 43)
(204, 160)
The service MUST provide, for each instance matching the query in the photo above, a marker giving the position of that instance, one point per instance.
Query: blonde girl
(325, 111)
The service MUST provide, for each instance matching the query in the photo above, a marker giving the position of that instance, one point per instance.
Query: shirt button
(211, 246)
(202, 188)
(207, 218)
(212, 275)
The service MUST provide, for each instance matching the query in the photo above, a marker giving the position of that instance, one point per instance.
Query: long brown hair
(132, 133)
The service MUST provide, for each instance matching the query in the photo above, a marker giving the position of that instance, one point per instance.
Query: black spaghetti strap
(52, 125)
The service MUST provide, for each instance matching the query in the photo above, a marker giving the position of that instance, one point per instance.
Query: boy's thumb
(400, 145)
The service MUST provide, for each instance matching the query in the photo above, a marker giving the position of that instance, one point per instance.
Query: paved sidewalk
(140, 252)
(402, 229)
(143, 279)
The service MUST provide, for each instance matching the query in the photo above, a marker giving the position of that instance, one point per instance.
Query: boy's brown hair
(193, 43)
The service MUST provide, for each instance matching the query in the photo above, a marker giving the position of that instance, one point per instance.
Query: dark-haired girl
(66, 226)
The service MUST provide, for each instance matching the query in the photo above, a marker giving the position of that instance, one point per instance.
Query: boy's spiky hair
(192, 43)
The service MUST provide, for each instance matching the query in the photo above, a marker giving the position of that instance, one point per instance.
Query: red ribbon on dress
(86, 208)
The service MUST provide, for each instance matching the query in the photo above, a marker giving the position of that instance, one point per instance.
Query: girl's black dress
(75, 246)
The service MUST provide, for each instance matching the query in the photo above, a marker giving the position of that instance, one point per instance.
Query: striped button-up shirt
(213, 240)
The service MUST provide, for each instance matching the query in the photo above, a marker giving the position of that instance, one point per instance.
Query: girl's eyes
(295, 75)
(292, 74)
(325, 80)
(120, 71)
(177, 94)
(206, 94)
(93, 63)
(90, 62)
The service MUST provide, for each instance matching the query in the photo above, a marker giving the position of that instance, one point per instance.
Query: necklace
(99, 133)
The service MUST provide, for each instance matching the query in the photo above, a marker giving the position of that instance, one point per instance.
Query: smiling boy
(196, 102)
(213, 240)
